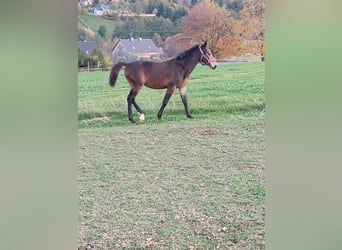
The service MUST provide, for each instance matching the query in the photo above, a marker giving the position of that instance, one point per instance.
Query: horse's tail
(114, 73)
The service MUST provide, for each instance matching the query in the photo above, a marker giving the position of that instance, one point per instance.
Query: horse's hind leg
(166, 99)
(129, 105)
(140, 112)
(182, 92)
(131, 100)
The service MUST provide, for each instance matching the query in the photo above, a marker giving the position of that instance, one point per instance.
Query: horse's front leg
(182, 92)
(166, 99)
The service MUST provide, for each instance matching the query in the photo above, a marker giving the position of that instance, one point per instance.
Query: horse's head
(207, 57)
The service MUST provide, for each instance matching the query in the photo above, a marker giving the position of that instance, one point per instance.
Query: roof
(137, 46)
(87, 46)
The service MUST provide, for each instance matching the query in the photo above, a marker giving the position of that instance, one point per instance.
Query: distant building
(98, 11)
(102, 10)
(87, 46)
(86, 2)
(129, 50)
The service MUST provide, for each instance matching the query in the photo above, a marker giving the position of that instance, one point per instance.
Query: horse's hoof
(141, 117)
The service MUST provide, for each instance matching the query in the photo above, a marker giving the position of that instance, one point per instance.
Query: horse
(172, 74)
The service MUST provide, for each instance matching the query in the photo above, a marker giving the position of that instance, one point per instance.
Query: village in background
(110, 31)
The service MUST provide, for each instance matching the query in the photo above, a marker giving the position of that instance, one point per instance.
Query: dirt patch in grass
(96, 119)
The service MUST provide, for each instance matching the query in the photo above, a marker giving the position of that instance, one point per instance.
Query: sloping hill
(93, 23)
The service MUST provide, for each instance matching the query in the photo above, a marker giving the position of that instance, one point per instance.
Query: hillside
(94, 22)
(231, 27)
(169, 10)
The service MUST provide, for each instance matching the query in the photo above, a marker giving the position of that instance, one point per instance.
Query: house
(87, 46)
(98, 11)
(129, 50)
(102, 10)
(86, 2)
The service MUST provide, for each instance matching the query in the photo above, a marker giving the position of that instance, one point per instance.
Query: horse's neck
(191, 62)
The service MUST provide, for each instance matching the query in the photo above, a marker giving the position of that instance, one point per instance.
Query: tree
(145, 27)
(193, 2)
(234, 7)
(102, 31)
(85, 34)
(209, 22)
(138, 7)
(136, 26)
(97, 59)
(250, 29)
(81, 35)
(157, 39)
(163, 26)
(173, 12)
(82, 58)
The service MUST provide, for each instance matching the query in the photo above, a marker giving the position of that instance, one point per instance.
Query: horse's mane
(186, 52)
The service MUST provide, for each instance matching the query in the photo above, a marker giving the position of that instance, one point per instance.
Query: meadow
(178, 183)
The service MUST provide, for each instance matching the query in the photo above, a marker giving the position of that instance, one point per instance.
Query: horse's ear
(205, 43)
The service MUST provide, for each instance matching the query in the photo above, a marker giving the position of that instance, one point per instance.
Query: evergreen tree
(102, 31)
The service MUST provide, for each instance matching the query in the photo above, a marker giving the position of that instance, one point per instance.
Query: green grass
(177, 183)
(230, 90)
(94, 22)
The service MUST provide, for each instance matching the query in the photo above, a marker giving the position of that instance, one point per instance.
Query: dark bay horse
(169, 75)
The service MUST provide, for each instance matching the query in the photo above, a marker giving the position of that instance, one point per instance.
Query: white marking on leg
(141, 117)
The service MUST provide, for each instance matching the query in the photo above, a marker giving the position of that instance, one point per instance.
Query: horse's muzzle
(214, 67)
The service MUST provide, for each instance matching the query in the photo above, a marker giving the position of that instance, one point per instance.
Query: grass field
(178, 183)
